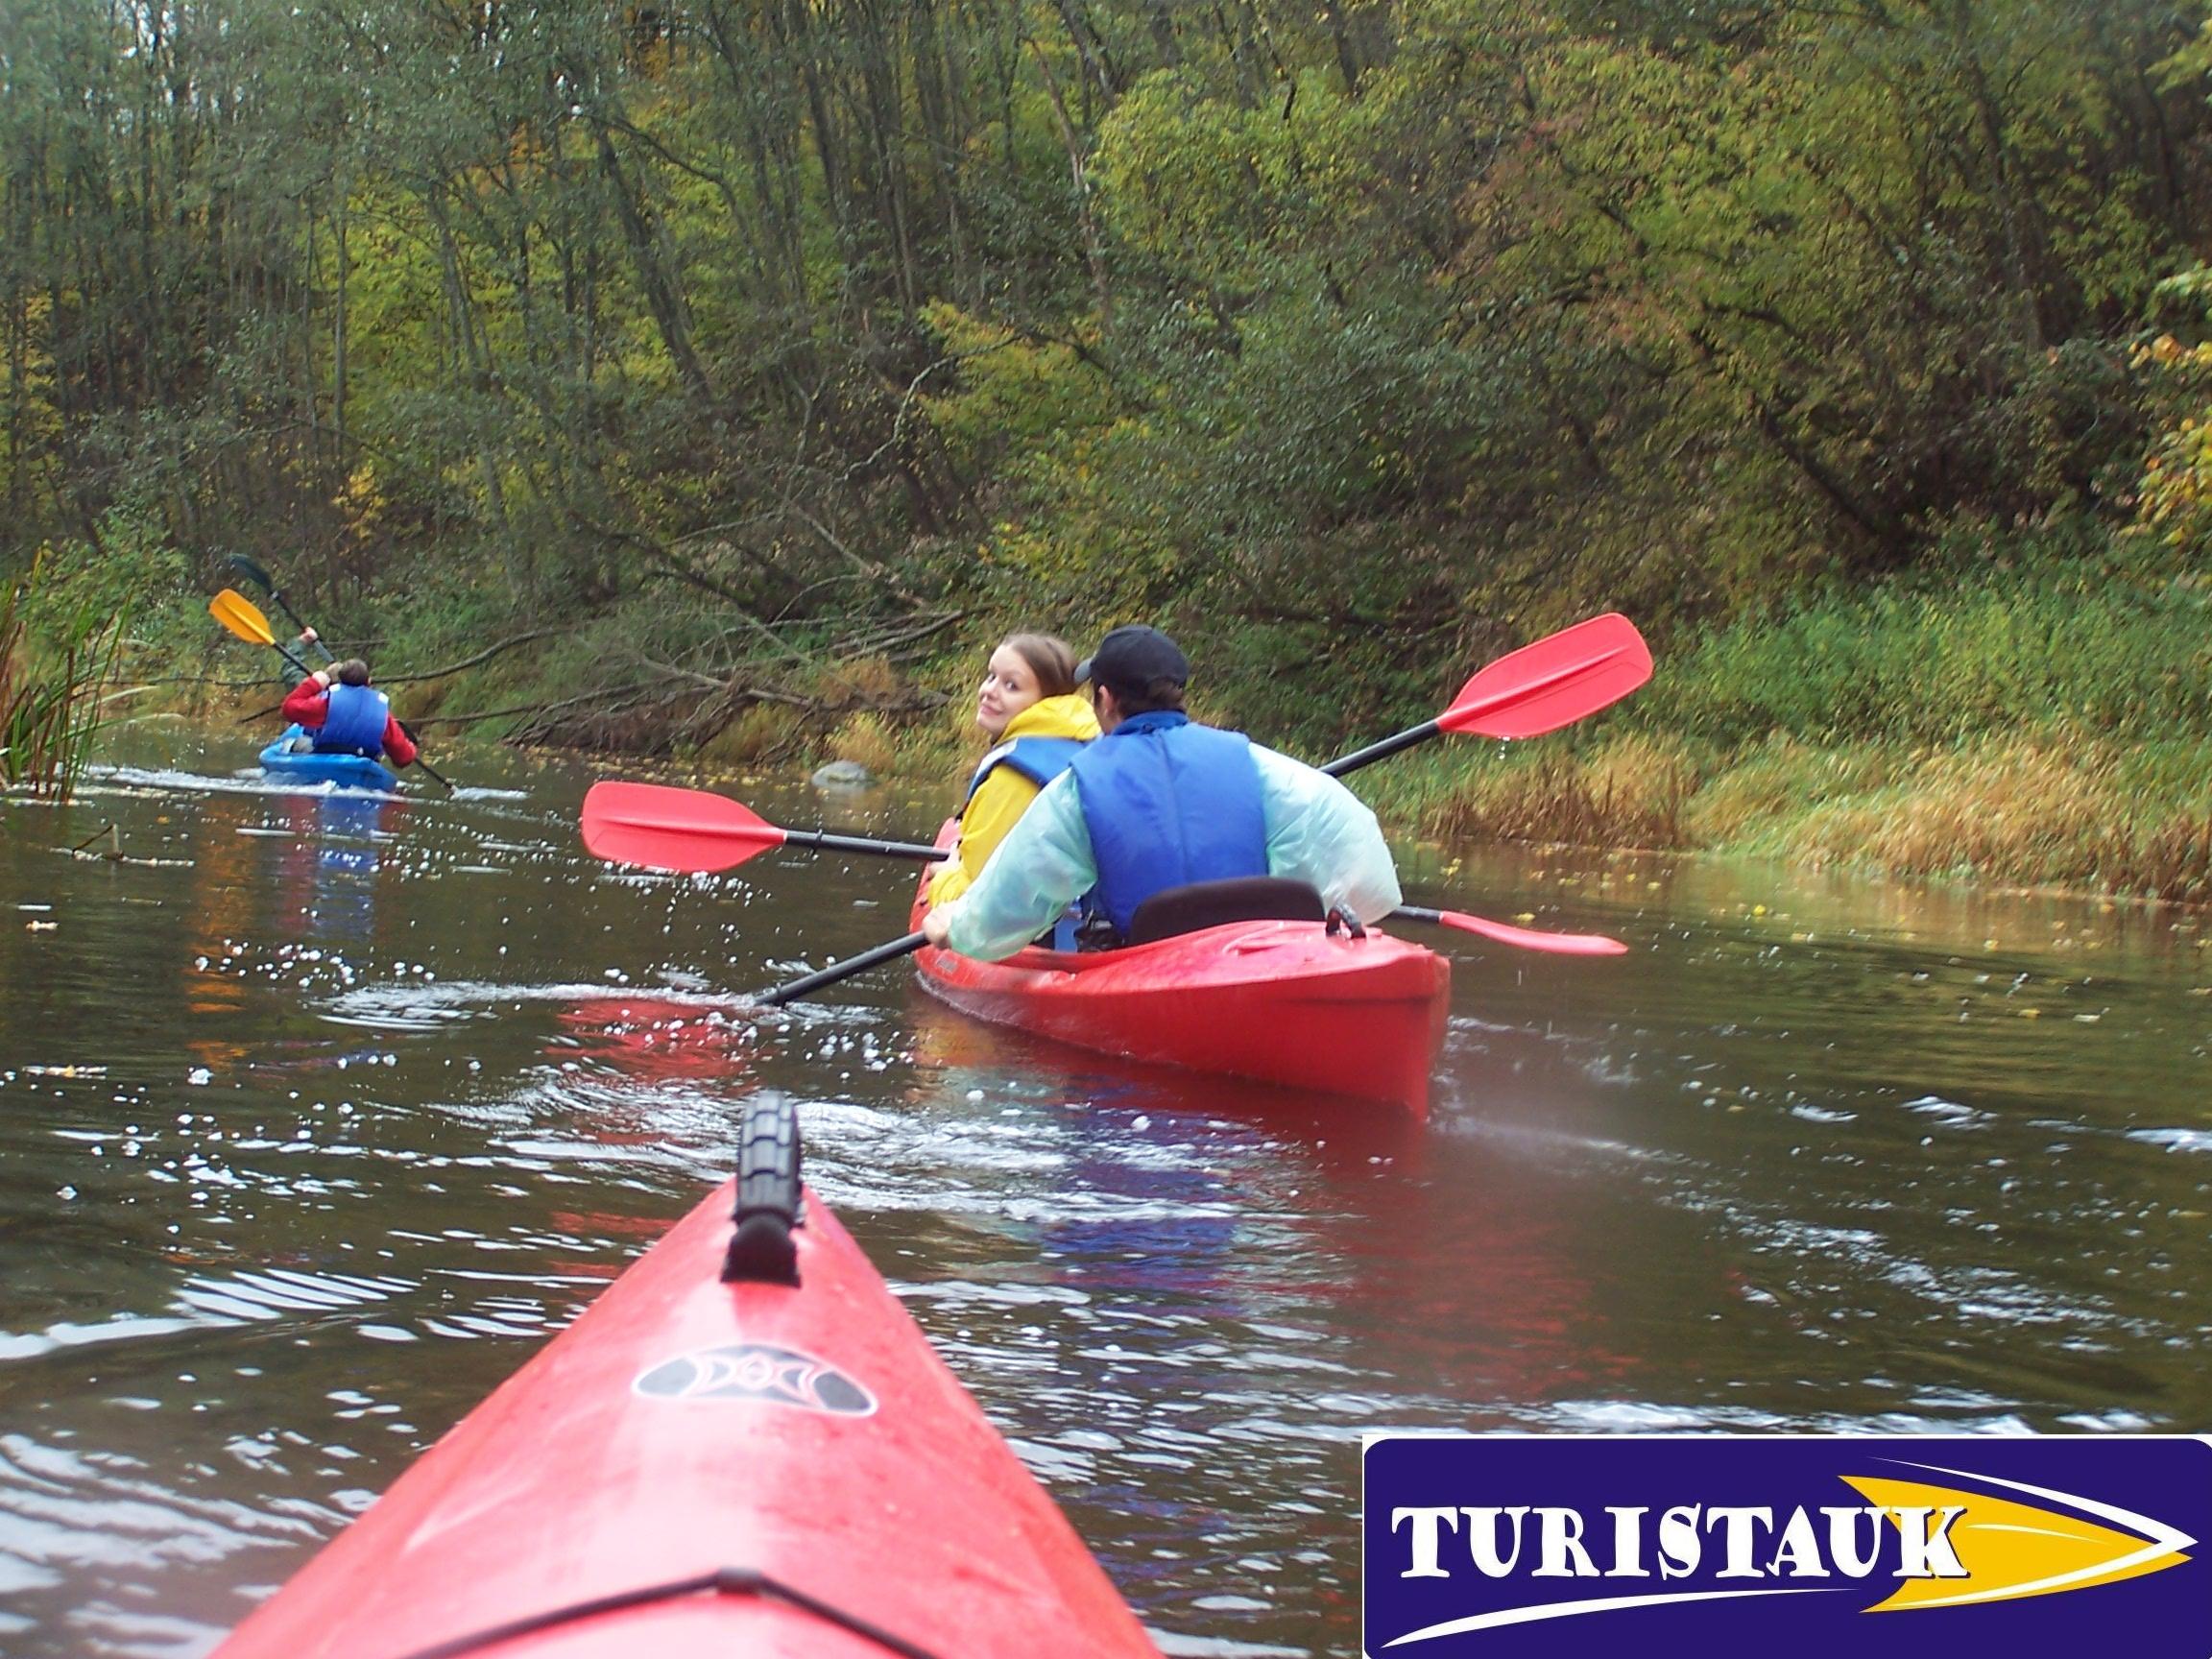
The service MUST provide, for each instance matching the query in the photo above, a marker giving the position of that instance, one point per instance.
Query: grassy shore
(2040, 727)
(2030, 808)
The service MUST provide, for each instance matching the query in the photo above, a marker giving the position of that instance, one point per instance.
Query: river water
(319, 1114)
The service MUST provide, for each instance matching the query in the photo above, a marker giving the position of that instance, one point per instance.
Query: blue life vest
(1040, 759)
(1167, 802)
(354, 721)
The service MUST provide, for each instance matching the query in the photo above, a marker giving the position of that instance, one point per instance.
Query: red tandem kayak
(707, 1467)
(1276, 1001)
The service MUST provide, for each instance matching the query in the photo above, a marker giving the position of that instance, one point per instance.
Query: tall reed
(52, 678)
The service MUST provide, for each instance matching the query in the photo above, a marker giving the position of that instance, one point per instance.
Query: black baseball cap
(1134, 656)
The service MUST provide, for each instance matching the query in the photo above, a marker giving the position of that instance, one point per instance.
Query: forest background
(719, 378)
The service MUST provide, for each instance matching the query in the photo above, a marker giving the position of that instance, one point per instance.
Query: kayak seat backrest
(1213, 904)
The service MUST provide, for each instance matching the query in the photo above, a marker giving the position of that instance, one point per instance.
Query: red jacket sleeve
(307, 704)
(397, 748)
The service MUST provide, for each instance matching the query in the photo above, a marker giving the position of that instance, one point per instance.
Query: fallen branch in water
(538, 708)
(116, 854)
(144, 681)
(483, 656)
(129, 858)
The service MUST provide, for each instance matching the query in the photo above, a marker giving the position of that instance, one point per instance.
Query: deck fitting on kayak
(761, 1248)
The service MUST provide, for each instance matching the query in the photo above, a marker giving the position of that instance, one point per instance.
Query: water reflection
(327, 877)
(658, 1039)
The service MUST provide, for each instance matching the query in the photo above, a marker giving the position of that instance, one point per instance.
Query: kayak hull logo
(756, 1373)
(1508, 1545)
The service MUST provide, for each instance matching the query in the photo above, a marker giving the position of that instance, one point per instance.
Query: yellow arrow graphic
(2013, 1550)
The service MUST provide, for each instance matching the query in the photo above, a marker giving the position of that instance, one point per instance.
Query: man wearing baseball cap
(1161, 802)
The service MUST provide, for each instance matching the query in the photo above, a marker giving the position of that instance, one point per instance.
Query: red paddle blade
(665, 828)
(1556, 680)
(1531, 939)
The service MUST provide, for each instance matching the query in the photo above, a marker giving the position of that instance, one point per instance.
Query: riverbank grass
(2047, 726)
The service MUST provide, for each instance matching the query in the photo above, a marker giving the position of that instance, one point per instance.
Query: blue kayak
(281, 760)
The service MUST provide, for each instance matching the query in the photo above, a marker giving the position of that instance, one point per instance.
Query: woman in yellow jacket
(1029, 708)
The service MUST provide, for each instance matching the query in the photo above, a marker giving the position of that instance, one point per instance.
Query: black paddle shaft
(1383, 749)
(830, 841)
(845, 970)
(268, 584)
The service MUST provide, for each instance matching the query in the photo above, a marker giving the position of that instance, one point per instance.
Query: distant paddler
(342, 714)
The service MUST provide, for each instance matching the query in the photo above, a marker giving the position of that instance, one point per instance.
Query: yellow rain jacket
(1003, 794)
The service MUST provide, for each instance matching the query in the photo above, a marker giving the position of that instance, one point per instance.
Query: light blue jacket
(1318, 831)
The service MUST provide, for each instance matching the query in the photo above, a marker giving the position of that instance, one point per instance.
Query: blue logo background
(2157, 1614)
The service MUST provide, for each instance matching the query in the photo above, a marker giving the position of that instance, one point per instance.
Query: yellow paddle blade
(239, 613)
